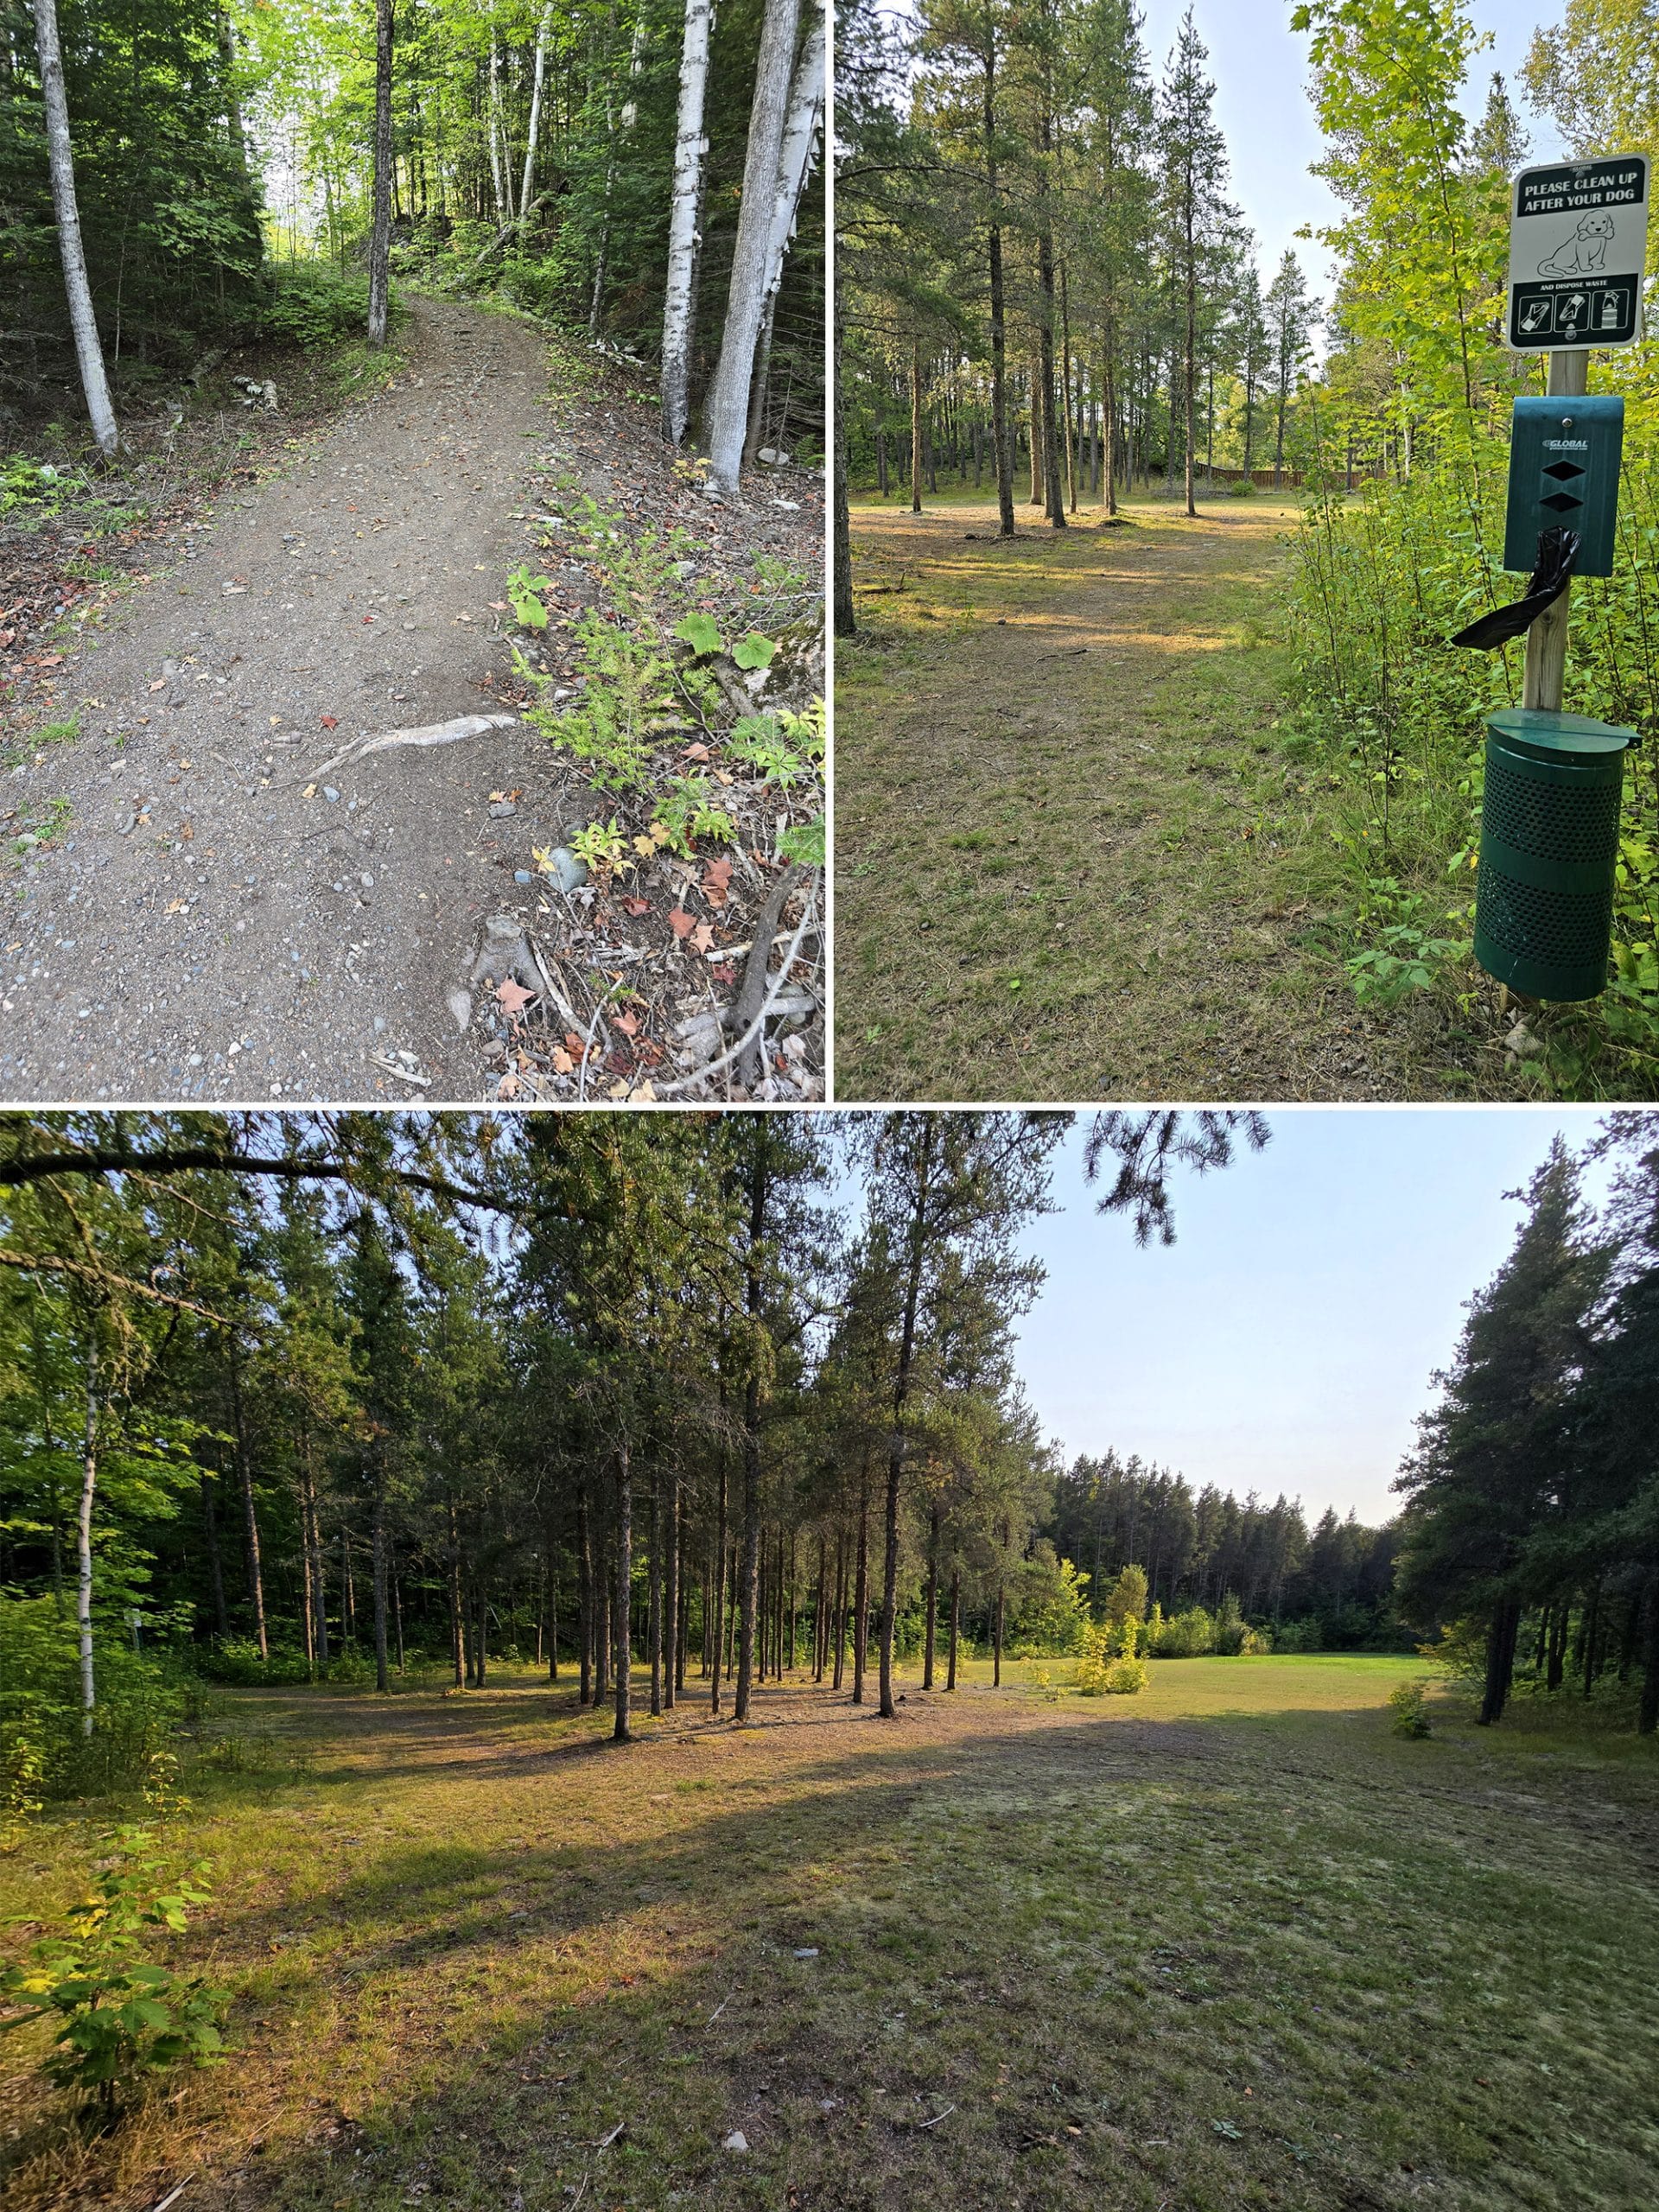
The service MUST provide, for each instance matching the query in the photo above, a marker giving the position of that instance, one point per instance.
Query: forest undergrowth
(478, 1957)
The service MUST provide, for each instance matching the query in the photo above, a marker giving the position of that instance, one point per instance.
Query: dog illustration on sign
(1585, 250)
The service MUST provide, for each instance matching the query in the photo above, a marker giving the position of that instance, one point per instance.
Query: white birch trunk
(794, 167)
(683, 239)
(525, 200)
(728, 399)
(84, 1536)
(503, 212)
(380, 232)
(60, 156)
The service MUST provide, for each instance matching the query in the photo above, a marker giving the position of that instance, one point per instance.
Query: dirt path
(199, 927)
(1071, 858)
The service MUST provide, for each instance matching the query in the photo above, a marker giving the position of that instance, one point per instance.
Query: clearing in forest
(200, 906)
(1073, 858)
(1227, 1943)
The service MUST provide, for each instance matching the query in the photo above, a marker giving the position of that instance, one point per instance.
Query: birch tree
(728, 399)
(794, 167)
(685, 205)
(60, 156)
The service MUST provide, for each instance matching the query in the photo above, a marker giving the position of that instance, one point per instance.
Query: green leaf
(700, 633)
(804, 842)
(754, 650)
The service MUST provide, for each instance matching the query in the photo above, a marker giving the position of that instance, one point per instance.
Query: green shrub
(1409, 1708)
(123, 2017)
(140, 1700)
(235, 1659)
(1125, 1676)
(1187, 1635)
(312, 304)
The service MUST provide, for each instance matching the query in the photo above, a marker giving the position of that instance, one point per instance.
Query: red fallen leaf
(628, 1023)
(330, 722)
(575, 1042)
(696, 753)
(725, 973)
(637, 906)
(367, 619)
(619, 1063)
(513, 994)
(680, 922)
(703, 937)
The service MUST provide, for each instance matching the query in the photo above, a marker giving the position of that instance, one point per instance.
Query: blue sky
(1259, 67)
(1287, 1339)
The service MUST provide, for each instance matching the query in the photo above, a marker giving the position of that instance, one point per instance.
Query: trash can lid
(1554, 732)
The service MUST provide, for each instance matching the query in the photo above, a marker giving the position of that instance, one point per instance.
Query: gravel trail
(199, 928)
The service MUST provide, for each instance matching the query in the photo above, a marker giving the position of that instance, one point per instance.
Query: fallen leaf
(562, 1062)
(628, 1023)
(725, 973)
(330, 722)
(177, 906)
(680, 922)
(702, 938)
(186, 831)
(637, 905)
(160, 684)
(513, 994)
(575, 1043)
(696, 753)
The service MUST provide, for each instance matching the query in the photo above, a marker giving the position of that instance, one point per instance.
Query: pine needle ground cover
(1079, 850)
(1229, 1943)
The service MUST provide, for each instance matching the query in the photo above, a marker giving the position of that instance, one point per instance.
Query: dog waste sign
(1577, 247)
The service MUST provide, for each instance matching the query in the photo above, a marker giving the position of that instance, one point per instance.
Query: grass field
(1074, 856)
(1230, 1944)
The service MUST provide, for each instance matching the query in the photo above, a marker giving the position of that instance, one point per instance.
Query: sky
(1259, 67)
(1286, 1340)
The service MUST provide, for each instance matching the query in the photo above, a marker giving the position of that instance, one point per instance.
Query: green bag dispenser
(1564, 456)
(1548, 848)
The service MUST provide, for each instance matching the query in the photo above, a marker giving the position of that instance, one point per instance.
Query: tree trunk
(845, 611)
(525, 199)
(1500, 1660)
(683, 204)
(584, 1599)
(457, 1634)
(933, 1596)
(380, 229)
(60, 161)
(794, 167)
(839, 1667)
(654, 1631)
(673, 1680)
(996, 1640)
(250, 1515)
(900, 1401)
(820, 1617)
(956, 1629)
(728, 398)
(622, 1733)
(861, 1587)
(719, 1588)
(83, 1534)
(916, 426)
(382, 1676)
(999, 439)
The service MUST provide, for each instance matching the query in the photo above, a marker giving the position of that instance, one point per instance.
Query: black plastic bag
(1557, 550)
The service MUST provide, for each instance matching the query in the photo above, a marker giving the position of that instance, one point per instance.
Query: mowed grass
(1230, 1944)
(1074, 856)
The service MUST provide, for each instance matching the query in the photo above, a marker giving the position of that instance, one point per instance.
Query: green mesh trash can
(1549, 847)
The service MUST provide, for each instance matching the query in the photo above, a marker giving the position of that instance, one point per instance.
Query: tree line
(1042, 276)
(1531, 1524)
(706, 1392)
(181, 176)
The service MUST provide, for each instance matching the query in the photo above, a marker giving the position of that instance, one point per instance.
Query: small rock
(460, 1003)
(810, 1952)
(379, 1025)
(1523, 1044)
(567, 871)
(502, 927)
(496, 1049)
(737, 2140)
(773, 456)
(128, 820)
(522, 875)
(367, 880)
(330, 794)
(501, 808)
